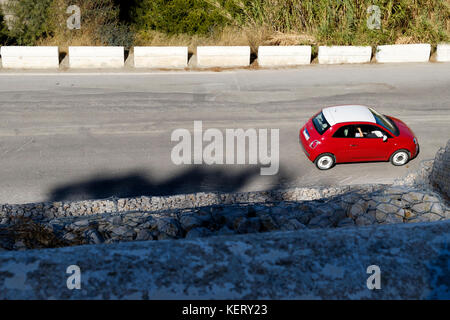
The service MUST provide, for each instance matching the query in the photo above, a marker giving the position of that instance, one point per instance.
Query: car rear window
(320, 123)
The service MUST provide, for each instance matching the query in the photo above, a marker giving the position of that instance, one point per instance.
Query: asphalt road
(76, 136)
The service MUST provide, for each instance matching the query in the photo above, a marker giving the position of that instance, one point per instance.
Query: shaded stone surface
(303, 264)
(440, 174)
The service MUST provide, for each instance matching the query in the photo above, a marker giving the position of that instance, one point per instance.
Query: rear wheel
(400, 158)
(325, 161)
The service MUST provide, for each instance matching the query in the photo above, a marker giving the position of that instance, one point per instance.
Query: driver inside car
(359, 133)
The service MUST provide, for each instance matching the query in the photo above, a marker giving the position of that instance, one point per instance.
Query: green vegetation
(100, 25)
(184, 16)
(3, 29)
(254, 22)
(30, 20)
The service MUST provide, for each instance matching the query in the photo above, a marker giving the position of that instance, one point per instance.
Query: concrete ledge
(403, 53)
(208, 57)
(16, 57)
(305, 264)
(270, 56)
(160, 57)
(344, 54)
(443, 52)
(96, 57)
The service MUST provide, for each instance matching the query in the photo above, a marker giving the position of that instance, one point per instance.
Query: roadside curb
(216, 58)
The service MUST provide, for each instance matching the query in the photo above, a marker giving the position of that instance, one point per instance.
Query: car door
(346, 144)
(369, 144)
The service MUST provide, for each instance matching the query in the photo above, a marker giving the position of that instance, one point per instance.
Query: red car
(354, 133)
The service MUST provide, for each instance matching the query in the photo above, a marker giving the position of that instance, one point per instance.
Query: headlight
(415, 140)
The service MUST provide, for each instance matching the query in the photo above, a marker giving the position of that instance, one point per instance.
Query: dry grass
(321, 22)
(94, 15)
(280, 22)
(229, 36)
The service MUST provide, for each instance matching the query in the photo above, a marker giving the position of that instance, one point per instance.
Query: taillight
(314, 144)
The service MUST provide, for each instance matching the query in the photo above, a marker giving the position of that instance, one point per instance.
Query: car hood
(404, 130)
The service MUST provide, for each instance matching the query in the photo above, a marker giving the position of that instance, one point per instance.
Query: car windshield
(385, 122)
(320, 123)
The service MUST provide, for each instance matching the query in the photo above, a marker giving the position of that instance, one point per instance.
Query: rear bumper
(305, 147)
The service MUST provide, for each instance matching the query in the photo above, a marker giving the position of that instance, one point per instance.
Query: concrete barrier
(269, 56)
(403, 53)
(443, 52)
(29, 57)
(344, 54)
(208, 57)
(160, 57)
(96, 57)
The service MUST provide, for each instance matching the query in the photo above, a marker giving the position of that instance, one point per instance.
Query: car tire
(400, 158)
(325, 161)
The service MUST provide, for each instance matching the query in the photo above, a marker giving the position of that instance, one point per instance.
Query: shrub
(3, 29)
(116, 35)
(30, 20)
(184, 16)
(99, 24)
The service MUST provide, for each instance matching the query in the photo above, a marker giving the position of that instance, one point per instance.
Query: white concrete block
(15, 57)
(160, 57)
(224, 56)
(443, 52)
(344, 54)
(269, 56)
(96, 57)
(403, 53)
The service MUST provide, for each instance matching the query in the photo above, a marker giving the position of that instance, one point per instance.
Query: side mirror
(385, 138)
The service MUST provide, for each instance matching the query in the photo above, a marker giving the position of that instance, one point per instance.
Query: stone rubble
(356, 206)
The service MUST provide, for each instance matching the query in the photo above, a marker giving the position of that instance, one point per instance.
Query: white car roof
(348, 113)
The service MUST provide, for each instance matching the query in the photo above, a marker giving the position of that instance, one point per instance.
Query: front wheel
(400, 158)
(325, 161)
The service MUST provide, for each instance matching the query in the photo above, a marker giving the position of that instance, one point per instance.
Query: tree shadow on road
(141, 183)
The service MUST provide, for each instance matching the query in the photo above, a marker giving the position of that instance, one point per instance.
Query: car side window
(369, 132)
(373, 132)
(360, 131)
(345, 132)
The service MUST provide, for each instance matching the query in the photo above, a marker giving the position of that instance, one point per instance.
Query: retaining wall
(156, 203)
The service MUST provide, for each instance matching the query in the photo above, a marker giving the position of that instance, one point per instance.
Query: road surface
(94, 135)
